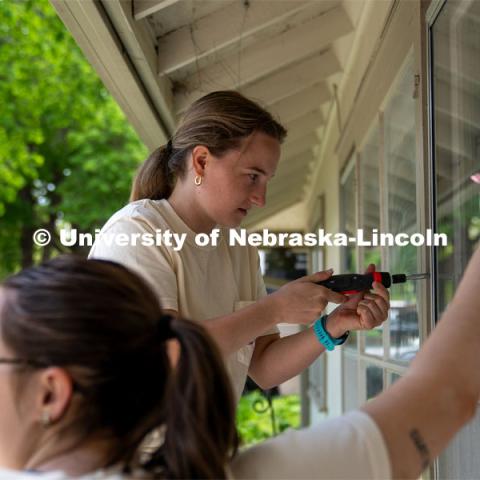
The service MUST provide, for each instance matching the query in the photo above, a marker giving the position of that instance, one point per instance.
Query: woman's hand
(362, 311)
(302, 301)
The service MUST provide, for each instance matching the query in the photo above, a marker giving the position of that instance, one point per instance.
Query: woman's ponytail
(154, 179)
(200, 437)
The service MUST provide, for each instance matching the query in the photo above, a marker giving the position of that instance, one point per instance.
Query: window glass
(456, 77)
(394, 377)
(370, 219)
(317, 373)
(349, 227)
(350, 383)
(374, 380)
(456, 135)
(401, 204)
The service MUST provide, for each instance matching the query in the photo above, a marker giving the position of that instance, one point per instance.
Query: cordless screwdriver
(349, 283)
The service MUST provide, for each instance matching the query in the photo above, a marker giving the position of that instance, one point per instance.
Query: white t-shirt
(198, 282)
(348, 447)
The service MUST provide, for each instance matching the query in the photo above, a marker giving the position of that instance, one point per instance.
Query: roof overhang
(157, 56)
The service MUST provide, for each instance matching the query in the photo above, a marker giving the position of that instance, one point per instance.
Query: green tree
(67, 153)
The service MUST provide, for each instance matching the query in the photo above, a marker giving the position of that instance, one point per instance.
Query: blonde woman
(210, 174)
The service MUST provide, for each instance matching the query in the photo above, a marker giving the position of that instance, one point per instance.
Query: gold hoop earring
(46, 419)
(198, 180)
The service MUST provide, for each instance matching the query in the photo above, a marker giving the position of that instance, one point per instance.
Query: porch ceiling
(285, 54)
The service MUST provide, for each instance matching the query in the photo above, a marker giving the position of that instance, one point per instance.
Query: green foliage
(66, 150)
(254, 427)
(372, 255)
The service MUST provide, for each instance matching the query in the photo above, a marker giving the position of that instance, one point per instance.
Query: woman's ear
(54, 395)
(200, 156)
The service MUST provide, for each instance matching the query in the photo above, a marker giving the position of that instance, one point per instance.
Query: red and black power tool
(350, 283)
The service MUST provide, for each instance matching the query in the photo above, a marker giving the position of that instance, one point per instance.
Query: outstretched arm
(422, 411)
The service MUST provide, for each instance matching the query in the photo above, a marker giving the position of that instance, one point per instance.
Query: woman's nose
(258, 196)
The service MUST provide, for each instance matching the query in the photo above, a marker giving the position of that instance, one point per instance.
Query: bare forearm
(285, 358)
(417, 418)
(421, 413)
(236, 330)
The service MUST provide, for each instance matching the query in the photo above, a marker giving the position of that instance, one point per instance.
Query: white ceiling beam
(295, 78)
(292, 163)
(144, 8)
(301, 103)
(227, 26)
(138, 43)
(277, 202)
(257, 61)
(274, 205)
(291, 172)
(296, 147)
(293, 182)
(261, 214)
(303, 125)
(291, 196)
(297, 175)
(283, 83)
(303, 157)
(92, 31)
(282, 50)
(287, 185)
(309, 121)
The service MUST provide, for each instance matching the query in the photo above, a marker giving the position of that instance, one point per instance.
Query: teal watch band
(324, 337)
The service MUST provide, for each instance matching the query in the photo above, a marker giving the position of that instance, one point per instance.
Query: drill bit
(402, 278)
(418, 276)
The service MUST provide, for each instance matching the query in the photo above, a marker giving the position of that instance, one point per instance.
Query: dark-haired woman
(85, 377)
(210, 174)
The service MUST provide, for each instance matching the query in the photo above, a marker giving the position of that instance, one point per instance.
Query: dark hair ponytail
(219, 121)
(103, 325)
(200, 436)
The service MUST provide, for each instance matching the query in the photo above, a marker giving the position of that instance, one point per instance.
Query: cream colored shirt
(348, 447)
(198, 282)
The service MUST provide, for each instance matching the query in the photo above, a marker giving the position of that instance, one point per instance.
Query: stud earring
(46, 419)
(198, 180)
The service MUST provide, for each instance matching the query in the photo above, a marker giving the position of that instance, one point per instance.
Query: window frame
(390, 366)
